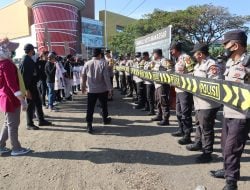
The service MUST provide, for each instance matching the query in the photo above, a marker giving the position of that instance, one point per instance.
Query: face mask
(227, 53)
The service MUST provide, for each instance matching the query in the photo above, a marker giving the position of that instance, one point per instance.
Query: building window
(119, 28)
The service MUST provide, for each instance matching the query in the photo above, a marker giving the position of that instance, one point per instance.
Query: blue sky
(126, 7)
(239, 7)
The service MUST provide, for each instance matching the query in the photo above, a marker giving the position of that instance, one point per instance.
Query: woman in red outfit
(11, 99)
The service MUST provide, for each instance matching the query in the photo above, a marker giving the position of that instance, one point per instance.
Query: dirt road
(131, 153)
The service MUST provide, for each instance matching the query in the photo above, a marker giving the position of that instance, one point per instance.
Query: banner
(233, 94)
(158, 39)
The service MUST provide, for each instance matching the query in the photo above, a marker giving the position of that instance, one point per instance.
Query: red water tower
(56, 24)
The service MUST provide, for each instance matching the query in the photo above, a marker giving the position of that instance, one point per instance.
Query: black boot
(89, 128)
(186, 139)
(163, 122)
(230, 185)
(218, 173)
(130, 95)
(107, 121)
(194, 147)
(178, 133)
(157, 118)
(138, 107)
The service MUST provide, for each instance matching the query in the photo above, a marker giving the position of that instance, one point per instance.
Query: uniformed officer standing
(184, 65)
(206, 109)
(29, 71)
(129, 78)
(150, 87)
(162, 91)
(236, 125)
(96, 81)
(123, 82)
(140, 87)
(110, 63)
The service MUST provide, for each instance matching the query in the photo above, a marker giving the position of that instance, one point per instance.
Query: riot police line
(233, 94)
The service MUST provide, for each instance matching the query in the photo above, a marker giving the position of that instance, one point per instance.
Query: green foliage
(203, 23)
(248, 47)
(216, 51)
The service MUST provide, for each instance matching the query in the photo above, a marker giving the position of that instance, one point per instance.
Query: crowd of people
(58, 78)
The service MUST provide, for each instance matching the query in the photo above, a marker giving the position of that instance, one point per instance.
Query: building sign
(159, 39)
(92, 33)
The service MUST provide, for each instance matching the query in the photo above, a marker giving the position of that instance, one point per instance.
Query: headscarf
(6, 48)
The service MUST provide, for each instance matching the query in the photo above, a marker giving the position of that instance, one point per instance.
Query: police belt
(233, 94)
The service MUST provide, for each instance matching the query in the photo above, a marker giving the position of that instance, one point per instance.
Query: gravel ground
(130, 153)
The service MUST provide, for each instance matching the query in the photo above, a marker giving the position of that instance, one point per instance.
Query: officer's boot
(164, 122)
(89, 128)
(186, 139)
(197, 146)
(157, 118)
(230, 185)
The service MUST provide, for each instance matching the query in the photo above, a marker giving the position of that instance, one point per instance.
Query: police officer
(96, 81)
(110, 63)
(122, 75)
(116, 73)
(206, 109)
(184, 65)
(29, 72)
(150, 88)
(162, 91)
(139, 64)
(236, 125)
(129, 78)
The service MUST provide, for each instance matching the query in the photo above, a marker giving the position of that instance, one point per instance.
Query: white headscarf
(6, 47)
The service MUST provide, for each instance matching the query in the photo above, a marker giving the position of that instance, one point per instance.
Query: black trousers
(233, 139)
(43, 88)
(111, 80)
(162, 101)
(141, 93)
(130, 84)
(150, 89)
(123, 83)
(205, 130)
(92, 98)
(117, 79)
(183, 111)
(35, 104)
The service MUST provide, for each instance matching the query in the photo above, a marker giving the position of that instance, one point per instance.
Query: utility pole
(105, 22)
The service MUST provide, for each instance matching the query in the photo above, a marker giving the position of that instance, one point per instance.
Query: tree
(204, 23)
(123, 42)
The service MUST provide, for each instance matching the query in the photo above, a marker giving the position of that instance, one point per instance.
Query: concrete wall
(15, 20)
(24, 40)
(114, 20)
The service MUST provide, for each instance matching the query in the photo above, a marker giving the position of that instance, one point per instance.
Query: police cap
(158, 51)
(107, 51)
(238, 35)
(138, 54)
(176, 45)
(29, 47)
(200, 47)
(97, 52)
(145, 53)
